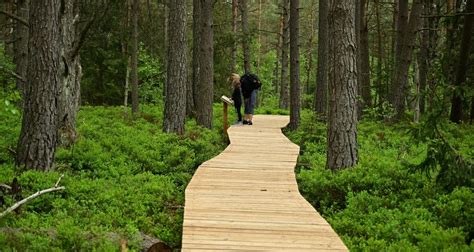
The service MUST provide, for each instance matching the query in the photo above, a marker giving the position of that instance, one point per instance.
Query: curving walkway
(246, 198)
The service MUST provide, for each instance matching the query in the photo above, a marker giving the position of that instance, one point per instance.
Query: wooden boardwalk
(246, 198)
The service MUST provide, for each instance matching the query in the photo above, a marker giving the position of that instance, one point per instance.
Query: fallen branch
(6, 186)
(37, 194)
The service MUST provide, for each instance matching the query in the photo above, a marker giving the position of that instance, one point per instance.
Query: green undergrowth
(380, 205)
(121, 177)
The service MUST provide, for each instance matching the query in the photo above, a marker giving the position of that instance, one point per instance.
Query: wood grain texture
(247, 198)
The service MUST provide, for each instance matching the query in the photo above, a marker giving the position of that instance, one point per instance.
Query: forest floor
(128, 177)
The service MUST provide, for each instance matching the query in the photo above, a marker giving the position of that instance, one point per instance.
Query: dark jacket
(249, 82)
(237, 97)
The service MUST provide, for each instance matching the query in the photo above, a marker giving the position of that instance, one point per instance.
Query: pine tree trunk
(284, 94)
(205, 87)
(295, 92)
(246, 35)
(364, 58)
(404, 50)
(69, 99)
(196, 53)
(322, 78)
(134, 56)
(457, 110)
(175, 104)
(20, 46)
(233, 55)
(39, 131)
(342, 118)
(380, 49)
(423, 58)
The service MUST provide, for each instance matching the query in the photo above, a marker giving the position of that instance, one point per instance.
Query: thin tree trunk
(342, 118)
(458, 96)
(20, 46)
(295, 92)
(322, 78)
(246, 35)
(364, 58)
(233, 55)
(284, 94)
(205, 88)
(175, 103)
(309, 66)
(39, 131)
(405, 44)
(134, 56)
(423, 58)
(276, 72)
(380, 50)
(196, 53)
(69, 100)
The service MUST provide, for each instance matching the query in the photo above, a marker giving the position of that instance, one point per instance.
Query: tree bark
(70, 66)
(380, 49)
(284, 94)
(364, 85)
(134, 56)
(39, 131)
(233, 55)
(322, 78)
(457, 110)
(195, 63)
(205, 88)
(20, 46)
(423, 59)
(342, 118)
(246, 35)
(295, 92)
(406, 35)
(175, 104)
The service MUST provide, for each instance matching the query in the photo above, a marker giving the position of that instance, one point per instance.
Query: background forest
(122, 98)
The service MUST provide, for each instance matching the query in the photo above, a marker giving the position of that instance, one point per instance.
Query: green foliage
(452, 168)
(378, 205)
(151, 77)
(121, 177)
(381, 112)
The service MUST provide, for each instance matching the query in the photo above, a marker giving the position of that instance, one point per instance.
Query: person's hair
(235, 79)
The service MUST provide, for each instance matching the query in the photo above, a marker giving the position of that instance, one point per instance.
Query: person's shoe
(250, 123)
(245, 122)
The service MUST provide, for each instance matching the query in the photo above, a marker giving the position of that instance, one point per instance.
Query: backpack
(251, 80)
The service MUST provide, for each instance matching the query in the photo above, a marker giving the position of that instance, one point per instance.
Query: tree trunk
(380, 89)
(364, 85)
(458, 96)
(423, 58)
(246, 35)
(205, 87)
(195, 63)
(39, 131)
(357, 23)
(175, 104)
(295, 92)
(322, 78)
(284, 94)
(233, 55)
(309, 65)
(406, 35)
(20, 46)
(276, 72)
(342, 118)
(70, 66)
(134, 56)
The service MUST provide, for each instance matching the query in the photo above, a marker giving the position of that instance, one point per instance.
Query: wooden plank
(247, 199)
